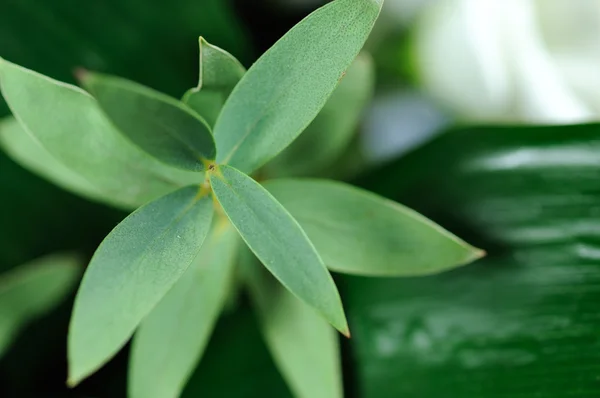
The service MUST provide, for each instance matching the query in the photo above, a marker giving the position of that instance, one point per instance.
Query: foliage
(31, 290)
(131, 146)
(523, 322)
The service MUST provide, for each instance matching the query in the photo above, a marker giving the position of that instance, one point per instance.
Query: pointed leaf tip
(360, 233)
(287, 87)
(479, 253)
(304, 346)
(133, 268)
(219, 74)
(279, 242)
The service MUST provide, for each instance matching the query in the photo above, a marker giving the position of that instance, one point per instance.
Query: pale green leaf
(134, 267)
(219, 74)
(278, 241)
(287, 87)
(172, 339)
(304, 346)
(31, 290)
(160, 125)
(326, 138)
(357, 232)
(28, 152)
(68, 123)
(234, 294)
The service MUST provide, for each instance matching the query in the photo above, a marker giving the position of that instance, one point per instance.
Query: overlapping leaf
(304, 346)
(172, 339)
(287, 87)
(326, 138)
(160, 125)
(522, 322)
(219, 74)
(76, 34)
(357, 232)
(279, 242)
(70, 126)
(134, 267)
(25, 150)
(237, 352)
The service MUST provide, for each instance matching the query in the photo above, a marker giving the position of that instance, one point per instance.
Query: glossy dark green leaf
(357, 232)
(31, 290)
(287, 87)
(69, 125)
(172, 339)
(326, 138)
(278, 241)
(160, 125)
(219, 73)
(304, 346)
(521, 323)
(134, 267)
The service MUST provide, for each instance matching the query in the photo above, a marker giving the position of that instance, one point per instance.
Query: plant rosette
(168, 269)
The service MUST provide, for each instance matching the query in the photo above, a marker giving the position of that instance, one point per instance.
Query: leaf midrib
(274, 237)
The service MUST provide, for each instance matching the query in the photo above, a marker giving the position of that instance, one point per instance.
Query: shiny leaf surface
(160, 125)
(134, 267)
(279, 242)
(357, 232)
(219, 73)
(171, 340)
(521, 323)
(287, 87)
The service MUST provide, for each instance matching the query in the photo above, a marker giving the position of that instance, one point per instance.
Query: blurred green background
(521, 323)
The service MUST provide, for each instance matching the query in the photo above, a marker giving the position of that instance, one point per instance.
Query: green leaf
(177, 331)
(69, 125)
(31, 290)
(75, 35)
(71, 222)
(278, 241)
(304, 346)
(236, 364)
(134, 267)
(357, 232)
(329, 135)
(160, 125)
(219, 74)
(25, 150)
(524, 321)
(287, 87)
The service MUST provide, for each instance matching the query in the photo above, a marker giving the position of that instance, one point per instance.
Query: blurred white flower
(404, 11)
(531, 61)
